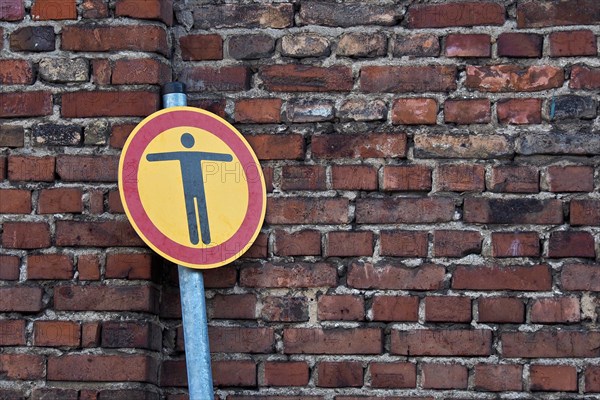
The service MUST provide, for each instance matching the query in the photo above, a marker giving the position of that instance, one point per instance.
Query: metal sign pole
(193, 304)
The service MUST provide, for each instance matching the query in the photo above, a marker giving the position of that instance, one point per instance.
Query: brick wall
(433, 218)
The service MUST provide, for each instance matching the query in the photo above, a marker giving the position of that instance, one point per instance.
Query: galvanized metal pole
(193, 304)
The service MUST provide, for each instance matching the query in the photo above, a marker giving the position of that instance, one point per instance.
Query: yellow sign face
(192, 187)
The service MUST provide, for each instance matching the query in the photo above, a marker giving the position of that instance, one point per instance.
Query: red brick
(553, 378)
(581, 277)
(293, 373)
(276, 16)
(468, 45)
(571, 178)
(211, 79)
(339, 374)
(15, 201)
(416, 45)
(109, 104)
(584, 77)
(277, 147)
(142, 335)
(241, 340)
(305, 210)
(16, 72)
(129, 266)
(376, 145)
(592, 379)
(555, 310)
(9, 268)
(285, 309)
(60, 200)
(404, 243)
(293, 275)
(404, 210)
(516, 44)
(220, 278)
(332, 341)
(447, 309)
(103, 368)
(306, 78)
(395, 308)
(22, 367)
(12, 10)
(341, 308)
(535, 14)
(115, 205)
(96, 234)
(302, 243)
(455, 14)
(444, 376)
(533, 278)
(49, 266)
(353, 177)
(338, 15)
(28, 168)
(515, 179)
(303, 177)
(519, 111)
(2, 168)
(88, 266)
(139, 72)
(95, 38)
(513, 211)
(513, 78)
(105, 298)
(415, 111)
(475, 111)
(96, 201)
(550, 344)
(25, 104)
(21, 299)
(261, 111)
(449, 243)
(571, 244)
(573, 43)
(12, 332)
(90, 334)
(404, 79)
(43, 10)
(393, 375)
(101, 71)
(201, 47)
(407, 178)
(161, 10)
(56, 333)
(26, 235)
(515, 244)
(462, 177)
(502, 310)
(119, 134)
(585, 212)
(233, 306)
(498, 378)
(349, 244)
(389, 276)
(461, 342)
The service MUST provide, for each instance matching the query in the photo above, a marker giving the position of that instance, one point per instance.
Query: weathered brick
(319, 12)
(553, 378)
(9, 268)
(502, 310)
(106, 298)
(571, 178)
(404, 243)
(305, 45)
(426, 342)
(16, 72)
(447, 309)
(574, 107)
(56, 333)
(141, 335)
(341, 308)
(26, 235)
(27, 168)
(234, 306)
(339, 374)
(513, 78)
(484, 146)
(93, 9)
(402, 79)
(140, 71)
(209, 79)
(285, 309)
(33, 38)
(515, 179)
(201, 47)
(415, 111)
(309, 110)
(64, 70)
(468, 45)
(555, 310)
(73, 168)
(251, 47)
(498, 378)
(24, 299)
(306, 242)
(515, 244)
(397, 277)
(406, 178)
(304, 210)
(303, 177)
(103, 368)
(416, 45)
(592, 379)
(49, 266)
(558, 141)
(362, 45)
(571, 244)
(332, 341)
(404, 210)
(395, 308)
(455, 14)
(453, 243)
(13, 332)
(161, 10)
(462, 177)
(511, 211)
(289, 275)
(43, 10)
(96, 38)
(241, 340)
(444, 376)
(550, 344)
(306, 78)
(375, 145)
(475, 111)
(585, 212)
(522, 278)
(57, 135)
(129, 266)
(573, 43)
(293, 373)
(109, 104)
(22, 367)
(582, 277)
(536, 14)
(15, 201)
(88, 267)
(12, 136)
(262, 111)
(353, 177)
(90, 334)
(584, 77)
(276, 16)
(516, 44)
(25, 104)
(519, 111)
(96, 234)
(277, 147)
(12, 10)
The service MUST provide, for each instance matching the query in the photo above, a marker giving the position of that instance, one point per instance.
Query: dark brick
(276, 16)
(249, 47)
(574, 107)
(33, 38)
(512, 44)
(455, 14)
(319, 12)
(559, 142)
(57, 135)
(12, 136)
(538, 14)
(417, 45)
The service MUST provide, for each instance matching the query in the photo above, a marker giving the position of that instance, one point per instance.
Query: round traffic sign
(192, 187)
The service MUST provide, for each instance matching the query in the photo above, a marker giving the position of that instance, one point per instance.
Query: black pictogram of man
(193, 183)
